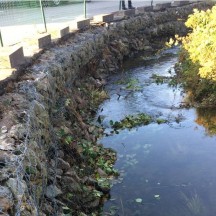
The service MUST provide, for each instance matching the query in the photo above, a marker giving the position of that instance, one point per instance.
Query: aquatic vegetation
(193, 203)
(131, 121)
(160, 79)
(97, 96)
(97, 193)
(179, 118)
(112, 211)
(99, 158)
(161, 121)
(130, 84)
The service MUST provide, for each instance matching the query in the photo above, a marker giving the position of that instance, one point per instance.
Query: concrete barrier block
(130, 12)
(104, 18)
(144, 9)
(83, 24)
(44, 41)
(124, 13)
(161, 6)
(11, 57)
(64, 31)
(179, 3)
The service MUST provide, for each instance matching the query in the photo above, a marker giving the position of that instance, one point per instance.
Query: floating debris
(138, 200)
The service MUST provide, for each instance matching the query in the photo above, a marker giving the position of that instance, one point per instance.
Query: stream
(166, 169)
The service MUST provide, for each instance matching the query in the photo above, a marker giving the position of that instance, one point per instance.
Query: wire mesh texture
(22, 18)
(17, 19)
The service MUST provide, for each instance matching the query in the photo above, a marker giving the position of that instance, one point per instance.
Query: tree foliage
(201, 42)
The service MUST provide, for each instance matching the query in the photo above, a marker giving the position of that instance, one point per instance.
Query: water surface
(166, 169)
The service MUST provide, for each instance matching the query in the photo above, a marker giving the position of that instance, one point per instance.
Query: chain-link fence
(17, 18)
(21, 18)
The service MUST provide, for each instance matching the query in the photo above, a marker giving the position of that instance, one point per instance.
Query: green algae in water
(130, 84)
(131, 121)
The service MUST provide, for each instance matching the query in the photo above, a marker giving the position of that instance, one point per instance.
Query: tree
(200, 43)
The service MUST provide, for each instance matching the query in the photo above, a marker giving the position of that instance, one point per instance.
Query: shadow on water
(165, 169)
(207, 118)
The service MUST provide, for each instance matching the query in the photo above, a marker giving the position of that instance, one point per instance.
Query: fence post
(43, 15)
(1, 41)
(84, 8)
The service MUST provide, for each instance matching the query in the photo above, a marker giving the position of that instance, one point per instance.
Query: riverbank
(201, 92)
(50, 161)
(165, 169)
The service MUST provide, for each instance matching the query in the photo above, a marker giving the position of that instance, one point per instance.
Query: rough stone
(5, 158)
(89, 181)
(71, 184)
(18, 188)
(52, 191)
(3, 176)
(61, 164)
(72, 173)
(55, 172)
(7, 144)
(6, 199)
(101, 172)
(60, 154)
(4, 129)
(17, 131)
(5, 192)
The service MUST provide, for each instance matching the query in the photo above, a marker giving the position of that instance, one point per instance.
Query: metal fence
(21, 19)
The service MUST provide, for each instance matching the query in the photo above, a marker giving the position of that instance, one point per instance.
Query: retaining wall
(37, 174)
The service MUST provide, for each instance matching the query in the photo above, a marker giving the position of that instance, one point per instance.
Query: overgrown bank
(50, 161)
(198, 60)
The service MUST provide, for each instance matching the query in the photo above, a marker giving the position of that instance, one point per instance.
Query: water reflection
(207, 118)
(166, 169)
